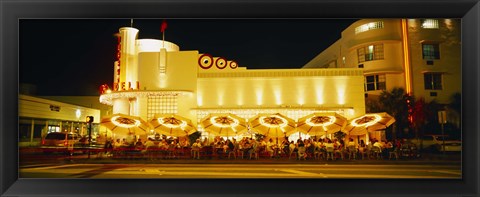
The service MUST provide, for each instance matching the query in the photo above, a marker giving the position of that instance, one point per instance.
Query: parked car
(451, 144)
(58, 142)
(435, 142)
(83, 143)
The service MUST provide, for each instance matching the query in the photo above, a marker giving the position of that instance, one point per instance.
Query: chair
(310, 151)
(364, 152)
(195, 152)
(171, 151)
(302, 153)
(150, 152)
(240, 153)
(376, 152)
(292, 152)
(318, 153)
(341, 152)
(233, 152)
(330, 153)
(393, 153)
(352, 152)
(254, 151)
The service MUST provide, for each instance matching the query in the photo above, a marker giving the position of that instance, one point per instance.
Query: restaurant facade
(156, 77)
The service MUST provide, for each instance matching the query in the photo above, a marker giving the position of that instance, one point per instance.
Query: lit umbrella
(172, 125)
(272, 125)
(224, 124)
(368, 122)
(124, 124)
(318, 124)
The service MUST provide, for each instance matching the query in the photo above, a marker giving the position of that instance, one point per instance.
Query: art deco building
(154, 76)
(422, 56)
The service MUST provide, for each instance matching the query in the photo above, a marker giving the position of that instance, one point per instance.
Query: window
(375, 82)
(369, 26)
(430, 24)
(433, 81)
(430, 51)
(369, 53)
(166, 104)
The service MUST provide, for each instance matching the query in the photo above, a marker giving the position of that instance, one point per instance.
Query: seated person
(196, 149)
(149, 144)
(378, 144)
(351, 142)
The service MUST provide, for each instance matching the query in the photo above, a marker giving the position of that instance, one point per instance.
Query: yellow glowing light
(259, 95)
(278, 96)
(220, 100)
(301, 94)
(319, 95)
(224, 121)
(273, 121)
(366, 120)
(340, 86)
(301, 101)
(170, 124)
(199, 100)
(321, 120)
(124, 122)
(109, 91)
(341, 97)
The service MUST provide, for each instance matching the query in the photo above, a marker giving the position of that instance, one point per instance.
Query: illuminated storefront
(39, 116)
(156, 77)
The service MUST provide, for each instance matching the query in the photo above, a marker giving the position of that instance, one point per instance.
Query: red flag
(164, 26)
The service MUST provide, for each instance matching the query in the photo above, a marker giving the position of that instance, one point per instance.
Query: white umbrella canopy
(272, 125)
(318, 124)
(224, 125)
(122, 124)
(172, 125)
(368, 123)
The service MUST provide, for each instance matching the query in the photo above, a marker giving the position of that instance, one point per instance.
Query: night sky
(73, 57)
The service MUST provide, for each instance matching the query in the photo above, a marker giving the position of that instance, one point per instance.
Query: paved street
(361, 171)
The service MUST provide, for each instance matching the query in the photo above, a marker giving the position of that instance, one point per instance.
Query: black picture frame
(12, 11)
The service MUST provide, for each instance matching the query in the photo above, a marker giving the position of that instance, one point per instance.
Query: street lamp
(89, 120)
(442, 119)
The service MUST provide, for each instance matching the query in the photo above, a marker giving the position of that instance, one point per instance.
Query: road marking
(215, 174)
(290, 174)
(299, 172)
(446, 172)
(52, 167)
(250, 171)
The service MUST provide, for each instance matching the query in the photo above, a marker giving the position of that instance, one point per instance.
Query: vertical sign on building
(116, 80)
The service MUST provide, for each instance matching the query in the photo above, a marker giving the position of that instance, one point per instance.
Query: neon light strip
(406, 58)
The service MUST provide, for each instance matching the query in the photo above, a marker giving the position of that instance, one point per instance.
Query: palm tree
(455, 109)
(456, 102)
(394, 102)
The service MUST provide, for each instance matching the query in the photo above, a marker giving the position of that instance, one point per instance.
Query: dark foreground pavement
(32, 159)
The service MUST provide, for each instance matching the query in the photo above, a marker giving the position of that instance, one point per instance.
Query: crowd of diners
(311, 148)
